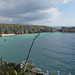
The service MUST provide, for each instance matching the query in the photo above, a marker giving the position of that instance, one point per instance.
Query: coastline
(7, 34)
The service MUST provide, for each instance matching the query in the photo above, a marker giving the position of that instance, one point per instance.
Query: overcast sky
(38, 12)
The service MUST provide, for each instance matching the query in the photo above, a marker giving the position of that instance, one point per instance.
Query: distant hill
(67, 29)
(24, 29)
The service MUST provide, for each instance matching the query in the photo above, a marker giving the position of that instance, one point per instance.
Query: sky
(38, 12)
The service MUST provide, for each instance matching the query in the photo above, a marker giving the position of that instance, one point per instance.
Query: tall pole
(28, 54)
(69, 73)
(58, 72)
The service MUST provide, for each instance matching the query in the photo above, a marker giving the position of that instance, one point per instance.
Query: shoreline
(7, 34)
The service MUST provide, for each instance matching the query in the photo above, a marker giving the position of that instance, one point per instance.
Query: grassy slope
(6, 71)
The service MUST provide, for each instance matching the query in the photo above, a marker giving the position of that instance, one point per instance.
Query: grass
(30, 66)
(6, 71)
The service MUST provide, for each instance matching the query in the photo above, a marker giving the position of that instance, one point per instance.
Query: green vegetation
(14, 69)
(6, 71)
(29, 66)
(52, 74)
(22, 29)
(14, 66)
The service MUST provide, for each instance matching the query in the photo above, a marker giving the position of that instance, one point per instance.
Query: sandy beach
(7, 34)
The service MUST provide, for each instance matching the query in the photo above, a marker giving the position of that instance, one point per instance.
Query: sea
(51, 51)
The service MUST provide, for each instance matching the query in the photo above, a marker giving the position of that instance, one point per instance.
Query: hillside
(67, 29)
(24, 29)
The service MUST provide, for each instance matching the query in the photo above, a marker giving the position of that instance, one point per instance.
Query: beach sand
(7, 34)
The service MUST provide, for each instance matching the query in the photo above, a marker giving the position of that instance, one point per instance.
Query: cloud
(29, 11)
(5, 20)
(41, 17)
(51, 14)
(66, 1)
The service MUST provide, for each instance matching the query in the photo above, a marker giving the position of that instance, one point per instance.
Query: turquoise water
(51, 51)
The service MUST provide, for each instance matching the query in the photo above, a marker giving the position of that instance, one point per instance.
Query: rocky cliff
(69, 29)
(24, 29)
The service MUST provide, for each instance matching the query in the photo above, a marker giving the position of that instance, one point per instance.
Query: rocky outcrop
(65, 29)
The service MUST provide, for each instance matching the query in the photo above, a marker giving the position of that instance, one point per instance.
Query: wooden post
(20, 61)
(69, 73)
(47, 72)
(0, 35)
(1, 61)
(58, 72)
(32, 61)
(29, 62)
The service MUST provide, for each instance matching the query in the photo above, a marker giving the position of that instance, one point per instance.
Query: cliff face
(24, 29)
(65, 29)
